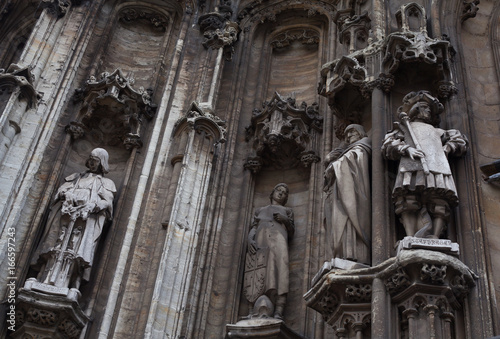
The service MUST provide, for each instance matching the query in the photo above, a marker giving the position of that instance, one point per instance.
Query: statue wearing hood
(348, 197)
(82, 206)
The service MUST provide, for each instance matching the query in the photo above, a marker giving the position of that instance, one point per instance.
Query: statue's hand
(415, 153)
(252, 246)
(280, 217)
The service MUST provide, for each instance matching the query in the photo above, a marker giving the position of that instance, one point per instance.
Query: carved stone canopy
(113, 97)
(20, 78)
(199, 120)
(355, 31)
(281, 134)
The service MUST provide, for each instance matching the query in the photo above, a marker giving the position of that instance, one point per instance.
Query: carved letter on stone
(424, 190)
(348, 198)
(266, 269)
(83, 205)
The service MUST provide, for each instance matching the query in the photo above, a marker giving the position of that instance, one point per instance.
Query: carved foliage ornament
(282, 133)
(113, 97)
(304, 36)
(150, 16)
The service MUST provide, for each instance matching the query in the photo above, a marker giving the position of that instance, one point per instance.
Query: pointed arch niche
(276, 72)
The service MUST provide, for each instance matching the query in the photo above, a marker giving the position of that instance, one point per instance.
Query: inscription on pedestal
(49, 289)
(442, 245)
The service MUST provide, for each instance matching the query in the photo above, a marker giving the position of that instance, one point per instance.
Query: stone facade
(204, 106)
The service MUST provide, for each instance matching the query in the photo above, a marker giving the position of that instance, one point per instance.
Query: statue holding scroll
(82, 206)
(424, 191)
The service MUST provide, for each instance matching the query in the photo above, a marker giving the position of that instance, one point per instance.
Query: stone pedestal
(427, 288)
(41, 315)
(267, 328)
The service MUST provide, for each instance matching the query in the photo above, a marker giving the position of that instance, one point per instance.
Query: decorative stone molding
(219, 31)
(113, 97)
(282, 133)
(304, 36)
(47, 316)
(423, 284)
(469, 10)
(154, 18)
(20, 78)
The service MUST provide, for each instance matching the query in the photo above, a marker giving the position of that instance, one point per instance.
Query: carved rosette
(282, 134)
(112, 97)
(219, 31)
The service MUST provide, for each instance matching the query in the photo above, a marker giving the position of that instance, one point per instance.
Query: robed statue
(266, 267)
(83, 205)
(424, 190)
(348, 198)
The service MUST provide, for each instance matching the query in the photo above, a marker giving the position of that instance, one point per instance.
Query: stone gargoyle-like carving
(113, 97)
(424, 191)
(470, 9)
(282, 133)
(219, 31)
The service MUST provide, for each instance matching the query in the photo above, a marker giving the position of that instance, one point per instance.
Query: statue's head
(101, 156)
(353, 133)
(280, 194)
(421, 105)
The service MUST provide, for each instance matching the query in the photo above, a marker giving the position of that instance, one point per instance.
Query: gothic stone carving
(282, 133)
(424, 190)
(154, 18)
(47, 316)
(347, 201)
(58, 8)
(113, 97)
(266, 269)
(354, 32)
(491, 171)
(219, 31)
(470, 9)
(304, 36)
(82, 207)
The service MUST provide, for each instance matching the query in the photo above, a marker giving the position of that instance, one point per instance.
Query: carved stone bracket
(219, 31)
(113, 97)
(282, 133)
(423, 284)
(469, 9)
(40, 315)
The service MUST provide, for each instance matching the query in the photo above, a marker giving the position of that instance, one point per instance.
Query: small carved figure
(424, 190)
(348, 198)
(266, 272)
(83, 204)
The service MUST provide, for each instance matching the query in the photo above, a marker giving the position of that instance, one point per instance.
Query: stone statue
(82, 206)
(266, 271)
(424, 190)
(348, 198)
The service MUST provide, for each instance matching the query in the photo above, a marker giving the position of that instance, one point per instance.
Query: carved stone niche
(428, 288)
(219, 31)
(17, 95)
(39, 315)
(413, 45)
(282, 134)
(354, 32)
(113, 98)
